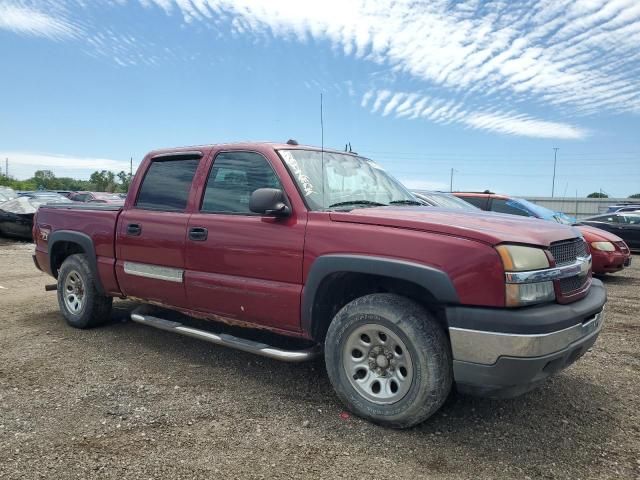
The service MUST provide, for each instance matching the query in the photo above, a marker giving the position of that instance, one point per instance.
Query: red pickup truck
(406, 301)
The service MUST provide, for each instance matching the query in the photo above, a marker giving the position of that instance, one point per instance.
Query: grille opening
(571, 284)
(566, 251)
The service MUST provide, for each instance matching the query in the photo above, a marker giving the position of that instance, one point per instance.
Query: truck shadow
(568, 413)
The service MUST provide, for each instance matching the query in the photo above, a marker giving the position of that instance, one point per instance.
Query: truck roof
(243, 145)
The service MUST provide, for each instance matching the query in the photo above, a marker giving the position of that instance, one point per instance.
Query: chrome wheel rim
(73, 291)
(377, 364)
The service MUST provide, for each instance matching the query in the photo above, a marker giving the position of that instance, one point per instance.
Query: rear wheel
(80, 303)
(388, 360)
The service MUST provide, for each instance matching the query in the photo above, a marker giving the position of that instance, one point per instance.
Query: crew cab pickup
(405, 301)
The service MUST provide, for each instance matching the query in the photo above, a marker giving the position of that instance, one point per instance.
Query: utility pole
(131, 167)
(451, 180)
(555, 157)
(6, 167)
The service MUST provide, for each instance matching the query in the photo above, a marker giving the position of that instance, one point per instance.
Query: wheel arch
(63, 243)
(335, 280)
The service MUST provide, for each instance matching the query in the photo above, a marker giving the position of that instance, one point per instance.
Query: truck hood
(488, 227)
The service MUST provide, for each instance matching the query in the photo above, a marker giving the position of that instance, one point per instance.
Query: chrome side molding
(581, 266)
(154, 271)
(226, 340)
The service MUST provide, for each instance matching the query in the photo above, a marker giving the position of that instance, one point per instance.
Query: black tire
(94, 309)
(429, 351)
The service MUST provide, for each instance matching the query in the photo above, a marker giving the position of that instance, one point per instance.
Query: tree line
(107, 181)
(99, 181)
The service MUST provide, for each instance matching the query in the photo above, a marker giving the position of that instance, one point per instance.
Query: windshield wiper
(405, 202)
(358, 202)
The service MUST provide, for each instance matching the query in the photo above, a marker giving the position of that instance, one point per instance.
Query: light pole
(555, 158)
(451, 180)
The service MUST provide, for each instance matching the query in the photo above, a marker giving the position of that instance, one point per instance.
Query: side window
(480, 202)
(167, 183)
(507, 206)
(233, 178)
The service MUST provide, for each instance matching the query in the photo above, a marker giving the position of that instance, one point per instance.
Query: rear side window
(508, 206)
(480, 202)
(605, 218)
(167, 183)
(233, 178)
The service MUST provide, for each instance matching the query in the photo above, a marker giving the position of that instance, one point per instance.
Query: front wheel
(388, 360)
(80, 302)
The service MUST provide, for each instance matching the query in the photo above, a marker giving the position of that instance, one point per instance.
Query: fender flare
(435, 281)
(85, 242)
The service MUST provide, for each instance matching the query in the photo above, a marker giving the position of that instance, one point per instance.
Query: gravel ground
(127, 401)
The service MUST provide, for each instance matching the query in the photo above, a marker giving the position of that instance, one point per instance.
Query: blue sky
(486, 88)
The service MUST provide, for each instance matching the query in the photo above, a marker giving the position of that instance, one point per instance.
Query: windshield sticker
(304, 180)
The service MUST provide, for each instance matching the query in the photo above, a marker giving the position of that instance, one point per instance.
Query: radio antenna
(322, 147)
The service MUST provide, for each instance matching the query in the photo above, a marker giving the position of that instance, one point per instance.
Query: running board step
(227, 340)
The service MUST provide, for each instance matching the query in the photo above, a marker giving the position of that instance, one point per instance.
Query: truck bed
(97, 222)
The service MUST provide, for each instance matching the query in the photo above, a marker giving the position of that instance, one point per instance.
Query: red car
(326, 247)
(609, 252)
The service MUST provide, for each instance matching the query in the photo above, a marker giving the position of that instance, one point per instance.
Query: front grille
(571, 284)
(566, 251)
(622, 246)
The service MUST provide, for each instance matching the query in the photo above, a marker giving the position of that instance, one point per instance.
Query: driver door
(241, 265)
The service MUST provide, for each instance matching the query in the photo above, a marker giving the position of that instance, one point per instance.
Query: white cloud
(550, 52)
(577, 56)
(29, 21)
(524, 125)
(439, 111)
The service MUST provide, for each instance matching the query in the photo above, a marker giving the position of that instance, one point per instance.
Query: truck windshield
(332, 180)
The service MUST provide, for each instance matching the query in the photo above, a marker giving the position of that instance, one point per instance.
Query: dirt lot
(126, 401)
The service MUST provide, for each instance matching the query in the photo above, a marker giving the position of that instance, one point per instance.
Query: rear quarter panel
(99, 225)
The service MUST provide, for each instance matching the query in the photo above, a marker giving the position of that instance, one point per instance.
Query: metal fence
(577, 207)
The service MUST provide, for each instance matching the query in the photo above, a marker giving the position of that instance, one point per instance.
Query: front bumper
(610, 262)
(503, 353)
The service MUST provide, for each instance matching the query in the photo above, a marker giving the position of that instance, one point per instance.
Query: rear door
(151, 233)
(241, 265)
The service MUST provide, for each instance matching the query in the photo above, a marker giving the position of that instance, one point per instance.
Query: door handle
(198, 234)
(134, 229)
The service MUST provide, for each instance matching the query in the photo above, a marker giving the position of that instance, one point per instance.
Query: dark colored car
(624, 225)
(326, 248)
(16, 215)
(444, 200)
(609, 252)
(625, 207)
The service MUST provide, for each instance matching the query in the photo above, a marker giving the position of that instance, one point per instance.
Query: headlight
(603, 246)
(517, 258)
(521, 294)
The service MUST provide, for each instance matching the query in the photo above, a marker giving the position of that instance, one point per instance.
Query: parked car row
(18, 208)
(609, 242)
